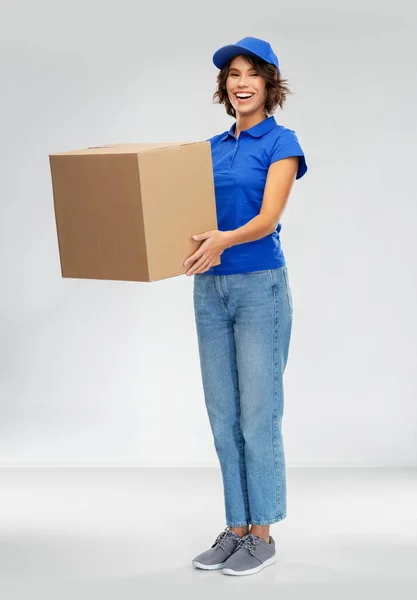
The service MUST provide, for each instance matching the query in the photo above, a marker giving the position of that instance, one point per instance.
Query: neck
(247, 121)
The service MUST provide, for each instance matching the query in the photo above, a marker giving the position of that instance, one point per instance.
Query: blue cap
(248, 45)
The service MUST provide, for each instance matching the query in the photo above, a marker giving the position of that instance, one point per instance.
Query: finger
(193, 257)
(202, 236)
(196, 266)
(205, 267)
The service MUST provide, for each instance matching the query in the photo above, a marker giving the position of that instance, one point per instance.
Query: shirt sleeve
(287, 145)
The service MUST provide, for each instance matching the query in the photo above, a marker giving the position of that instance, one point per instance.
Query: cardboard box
(128, 211)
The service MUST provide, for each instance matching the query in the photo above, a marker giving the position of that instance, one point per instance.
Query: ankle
(261, 531)
(240, 531)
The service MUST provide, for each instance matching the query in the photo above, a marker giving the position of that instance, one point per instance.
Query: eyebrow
(234, 69)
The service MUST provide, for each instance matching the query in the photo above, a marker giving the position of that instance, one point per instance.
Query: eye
(235, 74)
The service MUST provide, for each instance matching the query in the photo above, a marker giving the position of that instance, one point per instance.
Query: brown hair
(276, 88)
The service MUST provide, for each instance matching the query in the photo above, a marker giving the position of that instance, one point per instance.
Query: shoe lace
(221, 538)
(249, 542)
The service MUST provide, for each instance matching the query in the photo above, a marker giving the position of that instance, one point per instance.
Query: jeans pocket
(288, 290)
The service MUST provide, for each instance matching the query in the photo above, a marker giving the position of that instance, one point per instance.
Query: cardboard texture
(127, 211)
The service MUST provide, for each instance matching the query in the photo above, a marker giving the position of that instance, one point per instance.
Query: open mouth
(243, 97)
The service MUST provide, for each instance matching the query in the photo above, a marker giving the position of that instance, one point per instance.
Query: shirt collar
(256, 131)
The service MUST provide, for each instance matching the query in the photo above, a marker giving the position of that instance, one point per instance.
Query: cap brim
(222, 55)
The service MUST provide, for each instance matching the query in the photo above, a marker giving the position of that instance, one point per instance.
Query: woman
(243, 307)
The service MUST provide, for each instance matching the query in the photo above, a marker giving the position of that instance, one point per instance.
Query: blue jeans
(243, 324)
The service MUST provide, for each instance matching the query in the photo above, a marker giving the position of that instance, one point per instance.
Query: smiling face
(245, 88)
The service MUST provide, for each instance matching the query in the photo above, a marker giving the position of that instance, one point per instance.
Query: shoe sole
(199, 565)
(267, 563)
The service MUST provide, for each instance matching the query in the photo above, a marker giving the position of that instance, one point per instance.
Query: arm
(279, 182)
(280, 178)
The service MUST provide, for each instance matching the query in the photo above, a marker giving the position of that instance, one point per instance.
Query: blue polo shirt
(240, 168)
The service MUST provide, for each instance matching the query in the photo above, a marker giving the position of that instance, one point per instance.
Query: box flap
(125, 148)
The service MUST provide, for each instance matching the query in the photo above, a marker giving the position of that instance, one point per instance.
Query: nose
(243, 82)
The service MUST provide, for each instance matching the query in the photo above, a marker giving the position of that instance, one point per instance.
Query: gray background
(97, 372)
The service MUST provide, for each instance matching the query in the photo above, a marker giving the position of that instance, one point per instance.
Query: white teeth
(244, 95)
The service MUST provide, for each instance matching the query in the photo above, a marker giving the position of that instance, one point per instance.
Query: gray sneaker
(251, 556)
(216, 556)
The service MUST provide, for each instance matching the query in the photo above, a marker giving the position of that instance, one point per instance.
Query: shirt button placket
(234, 154)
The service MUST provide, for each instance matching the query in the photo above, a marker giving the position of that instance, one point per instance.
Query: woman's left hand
(214, 244)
